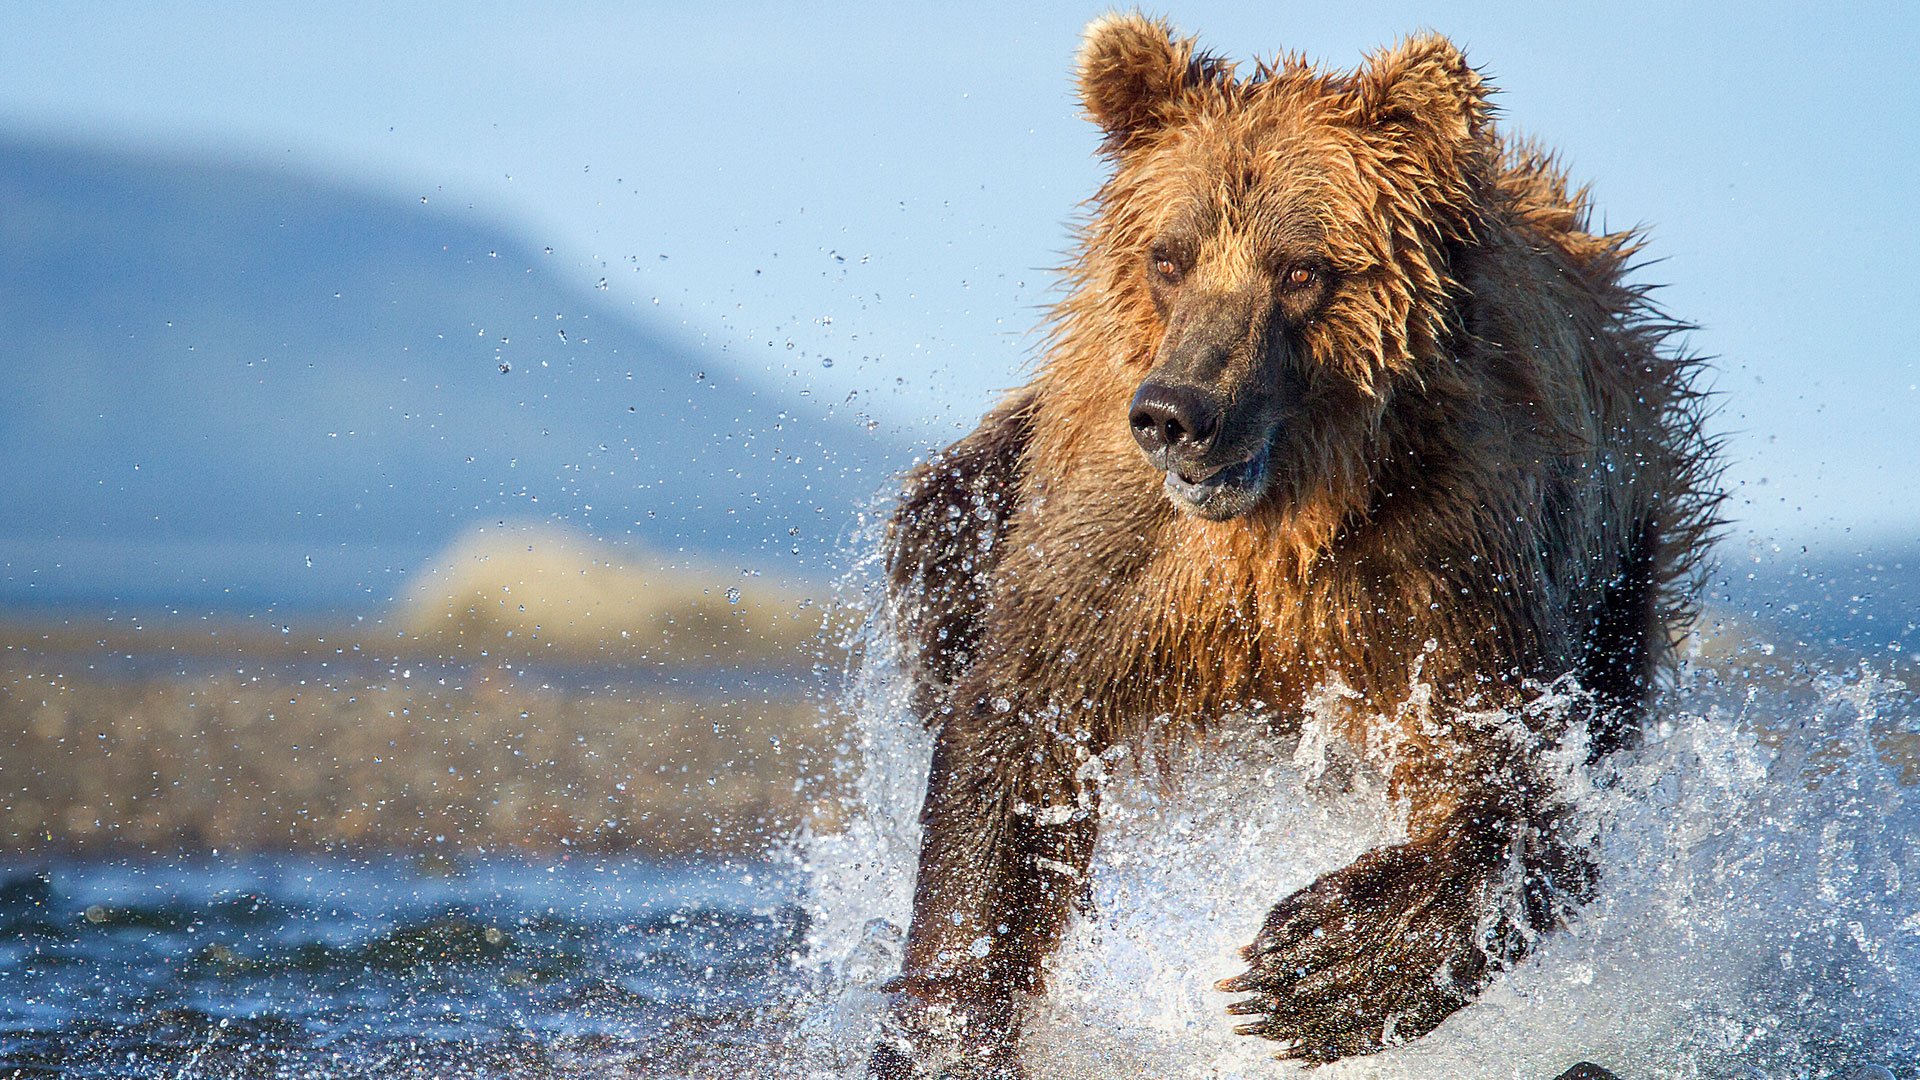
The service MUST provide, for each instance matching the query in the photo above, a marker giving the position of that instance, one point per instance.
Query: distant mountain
(231, 386)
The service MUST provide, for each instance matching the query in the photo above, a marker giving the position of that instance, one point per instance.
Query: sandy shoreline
(301, 744)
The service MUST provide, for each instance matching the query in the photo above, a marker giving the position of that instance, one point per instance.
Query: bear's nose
(1172, 419)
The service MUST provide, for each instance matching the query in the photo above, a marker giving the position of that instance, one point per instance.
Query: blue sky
(885, 186)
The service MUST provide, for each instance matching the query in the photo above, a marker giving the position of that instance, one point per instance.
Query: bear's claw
(1377, 953)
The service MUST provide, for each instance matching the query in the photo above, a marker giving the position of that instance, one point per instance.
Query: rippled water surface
(388, 967)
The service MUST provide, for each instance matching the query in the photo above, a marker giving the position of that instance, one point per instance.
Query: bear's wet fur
(1342, 392)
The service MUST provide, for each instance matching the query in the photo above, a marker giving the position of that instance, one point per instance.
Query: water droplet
(733, 596)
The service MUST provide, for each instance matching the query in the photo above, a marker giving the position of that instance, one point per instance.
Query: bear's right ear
(1424, 83)
(1133, 71)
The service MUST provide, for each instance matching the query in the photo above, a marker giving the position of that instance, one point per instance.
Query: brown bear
(1343, 391)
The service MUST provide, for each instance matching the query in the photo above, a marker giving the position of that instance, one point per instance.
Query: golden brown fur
(1471, 457)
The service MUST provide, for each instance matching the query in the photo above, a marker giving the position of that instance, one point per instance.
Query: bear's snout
(1173, 424)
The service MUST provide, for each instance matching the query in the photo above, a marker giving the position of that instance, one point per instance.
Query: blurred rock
(538, 592)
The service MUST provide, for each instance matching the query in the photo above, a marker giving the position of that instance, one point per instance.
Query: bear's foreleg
(1385, 949)
(1009, 826)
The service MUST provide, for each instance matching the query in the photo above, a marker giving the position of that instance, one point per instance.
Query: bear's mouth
(1221, 492)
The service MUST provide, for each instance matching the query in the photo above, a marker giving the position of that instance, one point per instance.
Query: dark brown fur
(1473, 465)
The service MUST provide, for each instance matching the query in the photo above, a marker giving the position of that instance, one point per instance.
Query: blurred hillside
(236, 387)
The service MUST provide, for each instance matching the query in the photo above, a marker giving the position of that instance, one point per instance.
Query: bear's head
(1277, 250)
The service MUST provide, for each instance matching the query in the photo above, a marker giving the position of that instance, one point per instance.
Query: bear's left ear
(1133, 72)
(1426, 84)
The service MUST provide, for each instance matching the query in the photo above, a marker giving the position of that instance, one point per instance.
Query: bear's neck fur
(1418, 539)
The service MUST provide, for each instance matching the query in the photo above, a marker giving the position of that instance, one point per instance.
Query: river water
(390, 967)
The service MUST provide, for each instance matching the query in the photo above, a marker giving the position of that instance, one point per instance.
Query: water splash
(860, 879)
(1757, 914)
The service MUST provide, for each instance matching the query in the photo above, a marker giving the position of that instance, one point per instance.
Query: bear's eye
(1301, 276)
(1165, 266)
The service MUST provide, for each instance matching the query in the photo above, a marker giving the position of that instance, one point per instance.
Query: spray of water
(1757, 914)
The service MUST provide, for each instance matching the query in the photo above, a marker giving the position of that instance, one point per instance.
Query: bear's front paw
(1381, 951)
